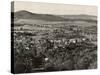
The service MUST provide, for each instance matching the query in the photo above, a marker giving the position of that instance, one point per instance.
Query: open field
(44, 42)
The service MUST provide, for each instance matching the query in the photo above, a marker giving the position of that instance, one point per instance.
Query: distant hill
(28, 15)
(79, 17)
(48, 17)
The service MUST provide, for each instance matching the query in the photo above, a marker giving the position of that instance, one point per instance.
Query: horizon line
(51, 14)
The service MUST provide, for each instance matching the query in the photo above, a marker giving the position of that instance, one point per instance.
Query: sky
(52, 8)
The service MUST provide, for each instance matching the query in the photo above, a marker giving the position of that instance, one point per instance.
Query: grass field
(61, 43)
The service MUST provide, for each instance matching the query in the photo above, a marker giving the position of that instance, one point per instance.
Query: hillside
(48, 17)
(88, 18)
(28, 15)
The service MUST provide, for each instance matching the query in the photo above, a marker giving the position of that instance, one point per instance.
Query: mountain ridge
(23, 14)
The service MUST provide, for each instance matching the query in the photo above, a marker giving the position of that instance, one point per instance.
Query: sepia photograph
(48, 37)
